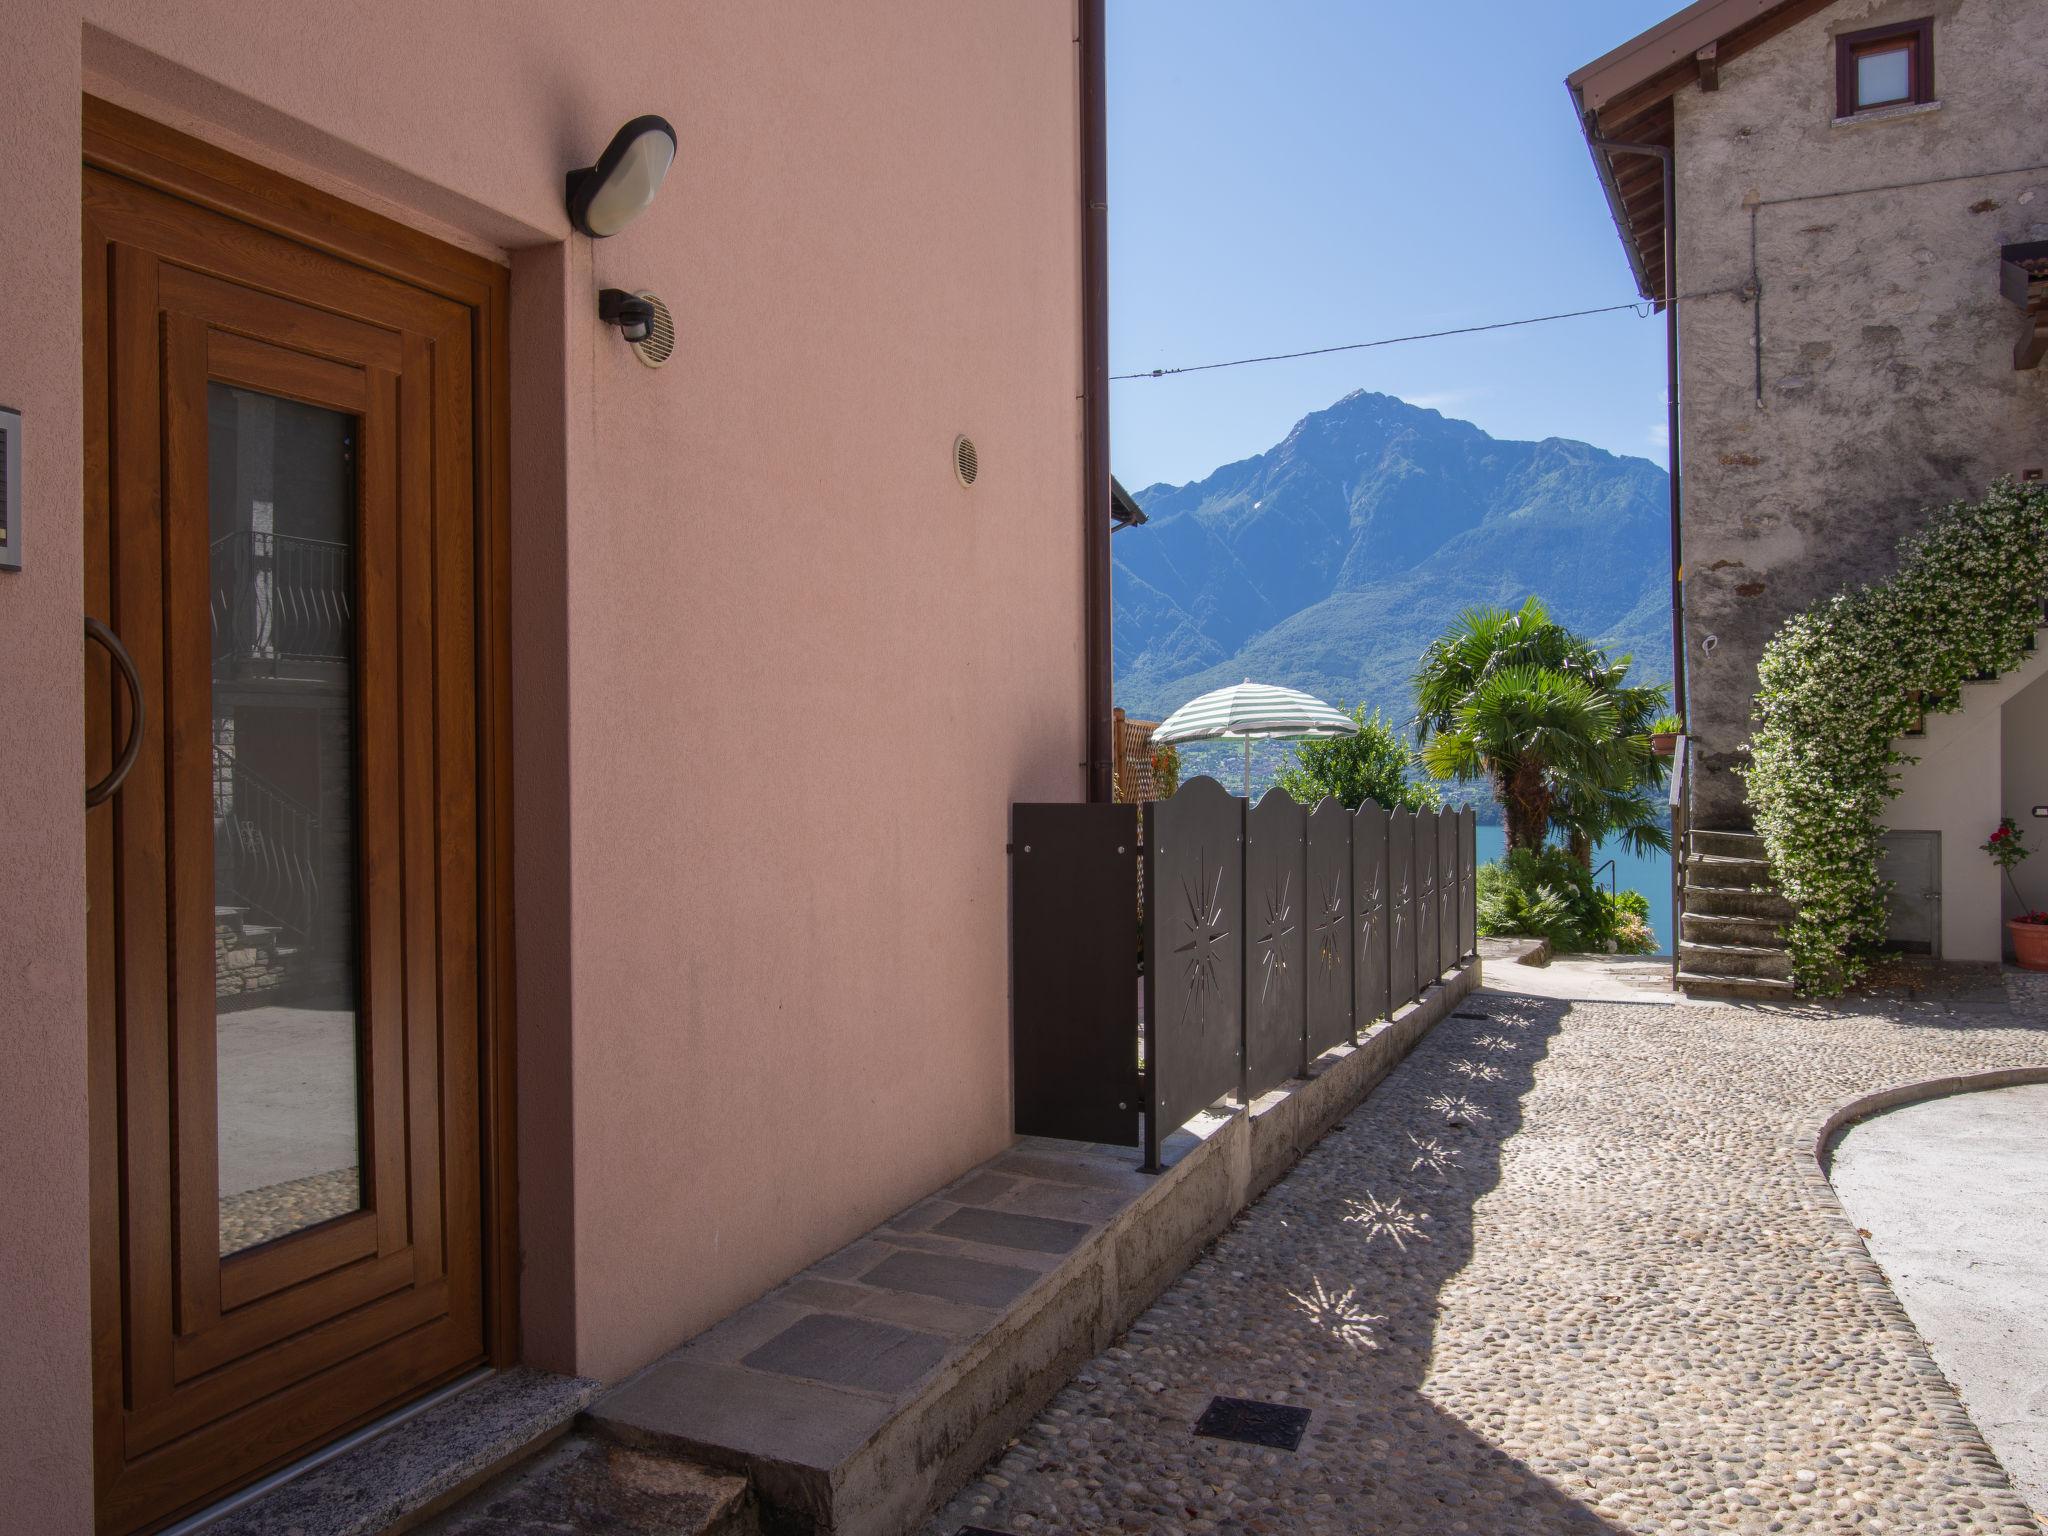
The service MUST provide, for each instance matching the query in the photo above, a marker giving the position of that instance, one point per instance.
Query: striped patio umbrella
(1254, 712)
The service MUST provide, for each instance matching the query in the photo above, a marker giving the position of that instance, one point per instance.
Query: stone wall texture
(1887, 383)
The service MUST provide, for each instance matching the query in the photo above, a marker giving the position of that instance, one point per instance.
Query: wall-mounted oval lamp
(604, 198)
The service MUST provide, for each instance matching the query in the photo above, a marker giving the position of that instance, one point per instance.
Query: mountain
(1331, 560)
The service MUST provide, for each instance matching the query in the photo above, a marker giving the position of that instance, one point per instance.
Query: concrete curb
(1811, 1148)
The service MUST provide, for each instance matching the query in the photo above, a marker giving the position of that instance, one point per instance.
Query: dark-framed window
(1884, 67)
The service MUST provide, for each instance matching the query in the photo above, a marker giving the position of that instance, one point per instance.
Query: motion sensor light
(633, 315)
(604, 198)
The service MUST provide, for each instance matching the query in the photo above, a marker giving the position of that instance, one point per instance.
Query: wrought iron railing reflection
(266, 848)
(278, 597)
(1269, 935)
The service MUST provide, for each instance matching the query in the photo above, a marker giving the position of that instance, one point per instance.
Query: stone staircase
(1729, 943)
(251, 964)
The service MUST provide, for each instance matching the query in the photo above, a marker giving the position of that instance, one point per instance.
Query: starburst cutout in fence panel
(1386, 1218)
(1339, 1314)
(1278, 928)
(1329, 930)
(1202, 937)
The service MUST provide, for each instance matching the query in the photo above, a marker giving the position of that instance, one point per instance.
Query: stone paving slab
(1557, 1274)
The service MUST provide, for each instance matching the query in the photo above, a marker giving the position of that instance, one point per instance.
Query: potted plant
(2029, 930)
(1664, 735)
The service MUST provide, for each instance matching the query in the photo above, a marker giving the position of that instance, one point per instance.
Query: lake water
(1632, 872)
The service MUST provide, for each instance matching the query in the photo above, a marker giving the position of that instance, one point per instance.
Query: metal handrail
(279, 597)
(1681, 807)
(266, 846)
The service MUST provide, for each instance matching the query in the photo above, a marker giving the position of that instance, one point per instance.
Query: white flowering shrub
(1840, 683)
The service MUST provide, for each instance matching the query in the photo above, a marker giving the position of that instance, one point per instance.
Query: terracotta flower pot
(1664, 743)
(2029, 944)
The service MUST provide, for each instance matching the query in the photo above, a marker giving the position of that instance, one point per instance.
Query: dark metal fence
(1167, 956)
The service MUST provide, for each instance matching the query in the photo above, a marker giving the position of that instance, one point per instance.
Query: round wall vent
(966, 462)
(659, 344)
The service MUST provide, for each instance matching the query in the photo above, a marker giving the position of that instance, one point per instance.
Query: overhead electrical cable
(1643, 308)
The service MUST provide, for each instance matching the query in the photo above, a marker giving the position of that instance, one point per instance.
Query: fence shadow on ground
(1348, 1260)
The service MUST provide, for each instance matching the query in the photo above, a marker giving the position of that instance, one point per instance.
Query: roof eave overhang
(1625, 94)
(1603, 167)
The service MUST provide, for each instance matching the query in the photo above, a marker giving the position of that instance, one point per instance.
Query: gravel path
(1558, 1274)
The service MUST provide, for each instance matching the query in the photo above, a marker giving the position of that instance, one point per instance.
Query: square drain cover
(1274, 1425)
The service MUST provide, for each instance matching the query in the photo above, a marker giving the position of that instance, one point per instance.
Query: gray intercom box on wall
(10, 489)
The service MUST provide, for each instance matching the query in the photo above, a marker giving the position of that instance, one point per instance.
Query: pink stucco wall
(777, 675)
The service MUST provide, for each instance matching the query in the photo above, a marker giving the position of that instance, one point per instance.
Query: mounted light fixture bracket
(604, 198)
(633, 315)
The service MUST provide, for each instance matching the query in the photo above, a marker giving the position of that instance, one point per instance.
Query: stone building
(1847, 189)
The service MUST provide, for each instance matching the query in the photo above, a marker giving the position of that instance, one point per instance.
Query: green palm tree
(1513, 697)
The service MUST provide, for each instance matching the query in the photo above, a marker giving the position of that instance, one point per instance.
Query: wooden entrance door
(292, 1001)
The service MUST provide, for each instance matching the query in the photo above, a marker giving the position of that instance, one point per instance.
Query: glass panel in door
(282, 530)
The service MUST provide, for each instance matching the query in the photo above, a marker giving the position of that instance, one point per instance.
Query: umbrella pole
(1247, 769)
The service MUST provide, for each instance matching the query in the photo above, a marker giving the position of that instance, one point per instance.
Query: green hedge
(1838, 686)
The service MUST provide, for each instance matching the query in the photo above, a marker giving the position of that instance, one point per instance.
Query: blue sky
(1292, 174)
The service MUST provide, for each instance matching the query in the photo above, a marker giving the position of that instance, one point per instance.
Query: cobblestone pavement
(1559, 1273)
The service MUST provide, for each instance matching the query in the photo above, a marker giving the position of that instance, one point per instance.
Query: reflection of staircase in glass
(266, 850)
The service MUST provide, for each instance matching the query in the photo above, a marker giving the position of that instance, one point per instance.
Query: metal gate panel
(1369, 995)
(1073, 963)
(1331, 894)
(1400, 909)
(1447, 889)
(1194, 954)
(1425, 901)
(1276, 942)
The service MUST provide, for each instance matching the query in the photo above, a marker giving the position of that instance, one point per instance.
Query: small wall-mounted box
(10, 490)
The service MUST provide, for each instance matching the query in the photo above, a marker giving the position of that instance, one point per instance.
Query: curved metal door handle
(95, 630)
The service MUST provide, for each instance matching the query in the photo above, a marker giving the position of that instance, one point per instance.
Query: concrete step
(1735, 901)
(396, 1479)
(1747, 962)
(1731, 845)
(1738, 874)
(1734, 988)
(1740, 929)
(582, 1483)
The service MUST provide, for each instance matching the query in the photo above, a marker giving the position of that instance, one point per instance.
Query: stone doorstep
(861, 1393)
(420, 1465)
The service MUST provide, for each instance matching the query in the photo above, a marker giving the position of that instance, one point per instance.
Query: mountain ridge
(1330, 561)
